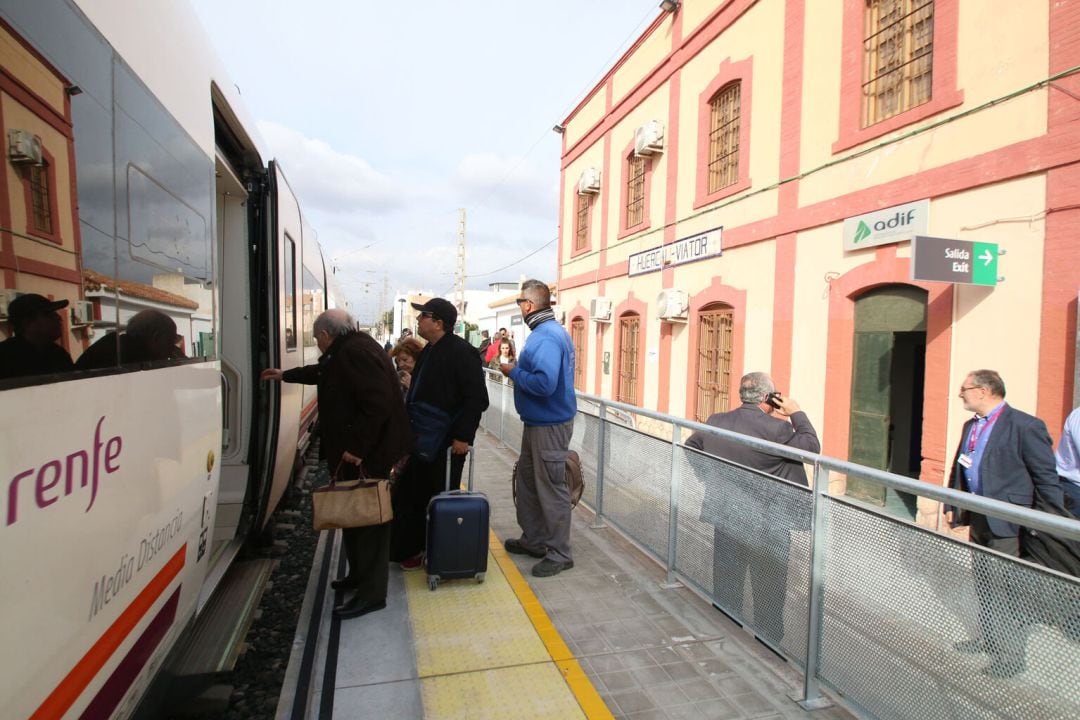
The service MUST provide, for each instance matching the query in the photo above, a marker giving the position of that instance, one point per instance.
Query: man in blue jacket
(544, 398)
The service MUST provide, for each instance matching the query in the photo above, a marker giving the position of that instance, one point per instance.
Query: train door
(283, 298)
(234, 330)
(888, 372)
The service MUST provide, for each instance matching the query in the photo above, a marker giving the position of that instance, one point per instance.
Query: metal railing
(874, 608)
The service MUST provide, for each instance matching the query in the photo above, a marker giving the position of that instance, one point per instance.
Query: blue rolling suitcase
(457, 532)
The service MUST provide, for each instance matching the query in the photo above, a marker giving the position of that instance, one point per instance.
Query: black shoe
(357, 607)
(1003, 668)
(970, 646)
(519, 548)
(342, 584)
(547, 568)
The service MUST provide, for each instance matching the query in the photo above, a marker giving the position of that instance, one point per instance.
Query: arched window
(629, 358)
(715, 325)
(724, 128)
(577, 337)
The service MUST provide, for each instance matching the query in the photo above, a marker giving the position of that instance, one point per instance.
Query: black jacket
(360, 405)
(19, 358)
(748, 419)
(449, 375)
(1019, 455)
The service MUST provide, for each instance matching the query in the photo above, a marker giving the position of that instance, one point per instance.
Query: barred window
(635, 191)
(724, 111)
(629, 362)
(581, 233)
(577, 337)
(39, 198)
(898, 57)
(714, 361)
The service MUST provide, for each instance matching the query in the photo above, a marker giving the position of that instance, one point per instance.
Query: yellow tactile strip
(575, 677)
(476, 655)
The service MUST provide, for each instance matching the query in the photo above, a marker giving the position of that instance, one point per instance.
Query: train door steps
(217, 636)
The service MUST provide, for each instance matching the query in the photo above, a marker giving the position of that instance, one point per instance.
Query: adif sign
(891, 225)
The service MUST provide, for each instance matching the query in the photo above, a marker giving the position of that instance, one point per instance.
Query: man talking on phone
(745, 538)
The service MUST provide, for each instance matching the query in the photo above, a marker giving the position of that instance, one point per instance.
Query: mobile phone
(773, 399)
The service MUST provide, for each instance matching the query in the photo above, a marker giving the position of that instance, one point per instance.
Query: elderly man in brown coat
(362, 424)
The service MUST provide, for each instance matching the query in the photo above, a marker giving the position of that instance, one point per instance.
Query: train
(134, 181)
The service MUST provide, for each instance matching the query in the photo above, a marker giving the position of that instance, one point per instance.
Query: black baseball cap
(441, 309)
(28, 306)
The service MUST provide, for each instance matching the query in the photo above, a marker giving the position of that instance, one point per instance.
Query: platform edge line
(576, 679)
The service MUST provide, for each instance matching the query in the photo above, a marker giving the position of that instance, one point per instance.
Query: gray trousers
(543, 499)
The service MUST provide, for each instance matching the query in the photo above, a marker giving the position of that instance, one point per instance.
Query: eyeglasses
(522, 300)
(972, 387)
(426, 314)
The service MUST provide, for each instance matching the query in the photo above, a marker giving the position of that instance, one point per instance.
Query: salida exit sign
(954, 261)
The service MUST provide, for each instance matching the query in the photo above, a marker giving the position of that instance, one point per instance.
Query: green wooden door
(882, 372)
(870, 393)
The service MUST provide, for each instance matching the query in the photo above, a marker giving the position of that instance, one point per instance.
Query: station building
(741, 190)
(39, 227)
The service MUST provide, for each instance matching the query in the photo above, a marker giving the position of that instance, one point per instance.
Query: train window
(290, 293)
(164, 197)
(314, 302)
(126, 224)
(163, 231)
(43, 316)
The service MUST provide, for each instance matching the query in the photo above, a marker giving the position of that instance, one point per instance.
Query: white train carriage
(129, 490)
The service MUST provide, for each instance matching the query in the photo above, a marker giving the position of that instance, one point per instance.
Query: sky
(389, 117)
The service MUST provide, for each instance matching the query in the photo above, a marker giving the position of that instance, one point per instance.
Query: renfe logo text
(62, 477)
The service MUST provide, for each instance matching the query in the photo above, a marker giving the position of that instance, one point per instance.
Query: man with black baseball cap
(32, 348)
(448, 376)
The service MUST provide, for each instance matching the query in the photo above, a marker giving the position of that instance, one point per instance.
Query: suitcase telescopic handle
(449, 466)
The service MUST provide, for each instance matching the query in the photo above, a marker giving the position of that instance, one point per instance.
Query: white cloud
(507, 184)
(329, 180)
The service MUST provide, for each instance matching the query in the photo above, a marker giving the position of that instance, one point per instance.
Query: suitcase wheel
(480, 577)
(433, 581)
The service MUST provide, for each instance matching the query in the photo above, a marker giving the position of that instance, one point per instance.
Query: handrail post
(673, 511)
(812, 697)
(601, 445)
(502, 414)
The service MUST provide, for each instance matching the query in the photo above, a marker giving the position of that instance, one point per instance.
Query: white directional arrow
(986, 257)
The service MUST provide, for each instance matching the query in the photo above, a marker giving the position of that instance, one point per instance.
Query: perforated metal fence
(897, 620)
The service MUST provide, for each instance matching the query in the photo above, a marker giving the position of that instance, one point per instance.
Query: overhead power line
(519, 260)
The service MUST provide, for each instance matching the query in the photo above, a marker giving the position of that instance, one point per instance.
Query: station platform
(606, 639)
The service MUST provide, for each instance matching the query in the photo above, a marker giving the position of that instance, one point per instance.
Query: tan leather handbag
(351, 503)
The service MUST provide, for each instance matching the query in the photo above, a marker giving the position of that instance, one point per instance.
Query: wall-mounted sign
(953, 261)
(884, 227)
(689, 249)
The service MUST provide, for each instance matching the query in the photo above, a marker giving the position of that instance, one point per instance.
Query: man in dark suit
(448, 377)
(362, 425)
(738, 503)
(1003, 454)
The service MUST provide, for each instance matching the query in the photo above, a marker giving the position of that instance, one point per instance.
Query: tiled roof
(93, 281)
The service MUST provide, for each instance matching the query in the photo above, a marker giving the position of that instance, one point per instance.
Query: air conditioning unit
(82, 312)
(600, 309)
(589, 182)
(672, 304)
(24, 148)
(649, 139)
(6, 296)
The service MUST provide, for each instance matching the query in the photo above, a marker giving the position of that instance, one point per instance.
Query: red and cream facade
(39, 229)
(986, 134)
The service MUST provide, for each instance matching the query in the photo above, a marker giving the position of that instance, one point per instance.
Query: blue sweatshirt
(544, 377)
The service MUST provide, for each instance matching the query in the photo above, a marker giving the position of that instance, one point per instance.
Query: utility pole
(459, 280)
(380, 316)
